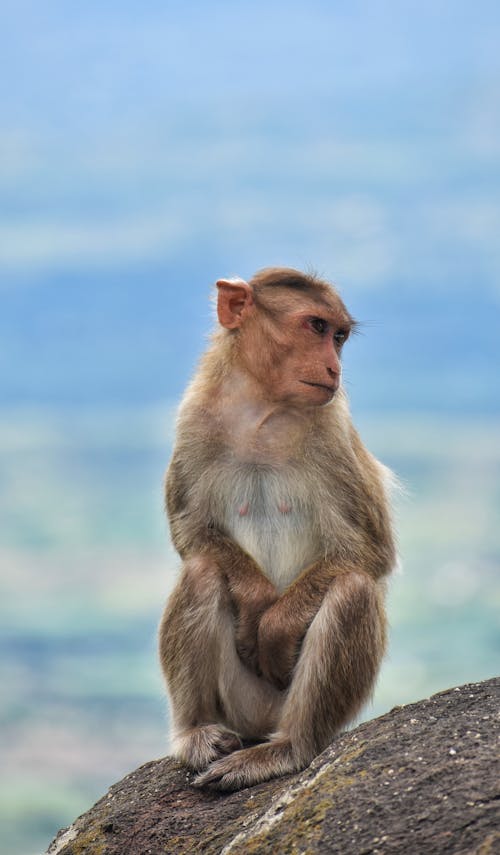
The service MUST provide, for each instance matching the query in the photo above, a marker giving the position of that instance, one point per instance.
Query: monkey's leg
(214, 698)
(334, 676)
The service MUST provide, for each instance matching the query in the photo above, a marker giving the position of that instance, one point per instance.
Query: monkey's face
(287, 340)
(295, 354)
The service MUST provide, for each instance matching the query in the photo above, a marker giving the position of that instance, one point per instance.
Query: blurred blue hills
(132, 336)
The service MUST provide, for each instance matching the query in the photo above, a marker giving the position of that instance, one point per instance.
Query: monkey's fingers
(278, 676)
(276, 666)
(249, 655)
(249, 766)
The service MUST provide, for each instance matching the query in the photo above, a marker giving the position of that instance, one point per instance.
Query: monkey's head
(289, 329)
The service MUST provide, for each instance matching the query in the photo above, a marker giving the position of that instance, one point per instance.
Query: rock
(424, 778)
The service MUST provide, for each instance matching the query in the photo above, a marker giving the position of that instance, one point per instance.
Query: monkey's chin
(317, 394)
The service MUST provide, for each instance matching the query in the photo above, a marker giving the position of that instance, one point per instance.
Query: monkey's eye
(319, 325)
(340, 337)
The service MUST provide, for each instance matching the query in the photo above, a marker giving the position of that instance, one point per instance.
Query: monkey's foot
(199, 746)
(250, 766)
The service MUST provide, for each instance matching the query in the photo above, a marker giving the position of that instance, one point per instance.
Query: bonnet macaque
(272, 639)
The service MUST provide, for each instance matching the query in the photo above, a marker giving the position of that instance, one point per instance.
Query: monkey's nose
(335, 378)
(332, 362)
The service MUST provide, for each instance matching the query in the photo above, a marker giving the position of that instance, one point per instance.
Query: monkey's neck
(254, 427)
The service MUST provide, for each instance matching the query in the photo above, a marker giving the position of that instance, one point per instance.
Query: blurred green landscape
(86, 566)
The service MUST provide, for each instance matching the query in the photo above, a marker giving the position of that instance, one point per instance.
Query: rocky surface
(424, 778)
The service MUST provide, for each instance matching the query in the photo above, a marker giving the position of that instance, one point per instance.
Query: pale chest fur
(271, 519)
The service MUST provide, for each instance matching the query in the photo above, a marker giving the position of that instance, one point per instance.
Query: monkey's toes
(220, 776)
(249, 766)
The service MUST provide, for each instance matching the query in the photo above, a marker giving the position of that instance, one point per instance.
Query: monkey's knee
(338, 664)
(352, 623)
(358, 605)
(191, 641)
(202, 578)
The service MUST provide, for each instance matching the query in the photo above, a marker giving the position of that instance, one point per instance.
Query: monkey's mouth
(330, 389)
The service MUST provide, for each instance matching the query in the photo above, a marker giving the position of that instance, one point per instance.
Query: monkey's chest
(266, 515)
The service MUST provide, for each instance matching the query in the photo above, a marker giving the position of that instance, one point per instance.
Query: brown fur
(276, 629)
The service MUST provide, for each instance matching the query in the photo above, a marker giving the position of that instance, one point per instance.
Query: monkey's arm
(283, 626)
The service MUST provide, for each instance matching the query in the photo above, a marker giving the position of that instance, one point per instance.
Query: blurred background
(145, 150)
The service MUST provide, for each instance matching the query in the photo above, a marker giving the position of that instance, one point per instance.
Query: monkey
(272, 638)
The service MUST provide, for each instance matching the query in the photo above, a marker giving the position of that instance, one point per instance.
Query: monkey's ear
(234, 299)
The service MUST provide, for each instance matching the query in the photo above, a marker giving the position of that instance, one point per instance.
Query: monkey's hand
(280, 637)
(250, 603)
(250, 594)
